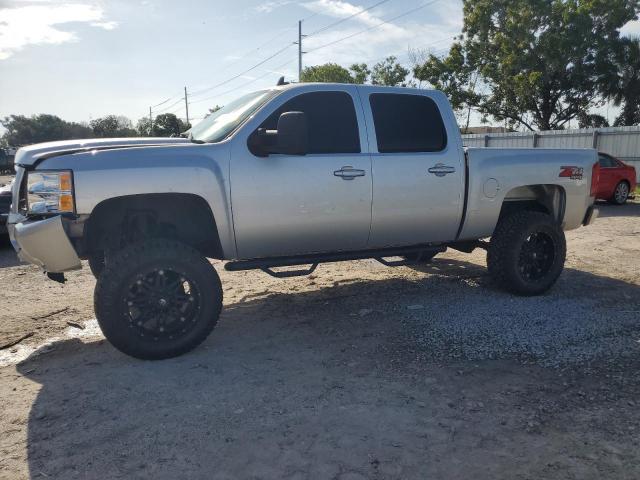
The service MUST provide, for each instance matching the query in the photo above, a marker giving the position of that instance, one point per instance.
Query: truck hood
(30, 155)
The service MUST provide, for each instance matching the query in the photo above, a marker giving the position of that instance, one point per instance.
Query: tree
(212, 110)
(112, 126)
(327, 73)
(389, 72)
(144, 127)
(168, 125)
(537, 61)
(360, 73)
(621, 84)
(22, 130)
(454, 76)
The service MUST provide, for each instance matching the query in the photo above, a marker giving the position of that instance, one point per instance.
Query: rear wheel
(158, 299)
(527, 253)
(621, 193)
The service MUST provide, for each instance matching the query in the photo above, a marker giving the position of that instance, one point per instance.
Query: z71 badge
(574, 173)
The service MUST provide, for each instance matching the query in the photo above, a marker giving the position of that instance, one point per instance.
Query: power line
(262, 62)
(342, 20)
(408, 12)
(218, 95)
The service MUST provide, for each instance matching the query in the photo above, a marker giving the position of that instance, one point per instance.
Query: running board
(267, 264)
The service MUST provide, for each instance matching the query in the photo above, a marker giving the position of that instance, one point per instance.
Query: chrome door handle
(349, 173)
(440, 170)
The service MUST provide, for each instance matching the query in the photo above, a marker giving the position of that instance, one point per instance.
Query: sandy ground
(330, 376)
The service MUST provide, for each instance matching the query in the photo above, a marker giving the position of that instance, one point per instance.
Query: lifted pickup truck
(289, 176)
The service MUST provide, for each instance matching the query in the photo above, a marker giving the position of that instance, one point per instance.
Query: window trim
(359, 121)
(445, 132)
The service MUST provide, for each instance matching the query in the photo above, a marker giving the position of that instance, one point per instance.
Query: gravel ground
(357, 371)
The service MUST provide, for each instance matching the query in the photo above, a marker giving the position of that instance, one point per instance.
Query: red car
(617, 180)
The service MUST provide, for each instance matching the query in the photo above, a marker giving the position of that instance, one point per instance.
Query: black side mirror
(293, 134)
(291, 137)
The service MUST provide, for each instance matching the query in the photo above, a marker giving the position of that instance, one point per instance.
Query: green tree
(389, 72)
(168, 125)
(327, 73)
(454, 76)
(621, 84)
(144, 127)
(22, 130)
(537, 62)
(360, 73)
(112, 126)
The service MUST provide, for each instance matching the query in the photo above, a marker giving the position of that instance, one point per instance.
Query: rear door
(297, 204)
(417, 166)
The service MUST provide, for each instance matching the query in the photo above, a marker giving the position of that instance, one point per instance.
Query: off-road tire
(126, 268)
(96, 263)
(620, 194)
(508, 255)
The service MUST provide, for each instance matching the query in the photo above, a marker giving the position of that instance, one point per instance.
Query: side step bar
(266, 264)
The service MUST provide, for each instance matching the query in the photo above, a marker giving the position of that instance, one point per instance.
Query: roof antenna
(281, 81)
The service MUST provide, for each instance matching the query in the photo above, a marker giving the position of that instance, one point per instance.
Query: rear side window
(407, 123)
(331, 118)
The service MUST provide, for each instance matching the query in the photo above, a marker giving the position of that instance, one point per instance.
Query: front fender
(201, 170)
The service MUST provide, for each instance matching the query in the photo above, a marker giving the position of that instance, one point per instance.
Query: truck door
(297, 204)
(417, 167)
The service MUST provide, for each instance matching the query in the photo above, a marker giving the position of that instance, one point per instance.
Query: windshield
(217, 126)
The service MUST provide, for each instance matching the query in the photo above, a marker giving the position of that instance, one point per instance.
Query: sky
(86, 59)
(89, 58)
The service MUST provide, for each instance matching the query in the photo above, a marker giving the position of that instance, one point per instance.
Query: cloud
(364, 43)
(105, 25)
(631, 29)
(39, 24)
(270, 6)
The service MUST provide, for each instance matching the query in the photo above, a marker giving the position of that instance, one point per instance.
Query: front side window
(407, 123)
(331, 120)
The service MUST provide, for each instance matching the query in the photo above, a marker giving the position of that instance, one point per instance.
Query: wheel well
(121, 221)
(549, 199)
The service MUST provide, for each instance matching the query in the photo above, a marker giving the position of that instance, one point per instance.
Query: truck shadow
(8, 257)
(629, 209)
(318, 383)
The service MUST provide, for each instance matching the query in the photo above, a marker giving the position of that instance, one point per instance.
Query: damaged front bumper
(43, 242)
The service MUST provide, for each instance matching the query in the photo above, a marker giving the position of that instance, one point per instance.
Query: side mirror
(293, 134)
(291, 137)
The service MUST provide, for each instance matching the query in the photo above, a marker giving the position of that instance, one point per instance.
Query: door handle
(440, 170)
(349, 173)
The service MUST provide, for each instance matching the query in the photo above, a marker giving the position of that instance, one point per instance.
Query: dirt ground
(358, 371)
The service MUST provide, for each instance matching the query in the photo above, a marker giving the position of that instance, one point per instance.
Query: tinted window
(407, 123)
(607, 162)
(331, 118)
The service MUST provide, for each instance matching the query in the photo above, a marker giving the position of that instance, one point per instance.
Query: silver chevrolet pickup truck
(291, 176)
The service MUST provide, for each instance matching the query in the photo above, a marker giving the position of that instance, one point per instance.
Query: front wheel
(157, 299)
(527, 253)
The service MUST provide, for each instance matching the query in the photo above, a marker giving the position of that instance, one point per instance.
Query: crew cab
(288, 176)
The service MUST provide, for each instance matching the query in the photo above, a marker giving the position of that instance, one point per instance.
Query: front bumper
(43, 243)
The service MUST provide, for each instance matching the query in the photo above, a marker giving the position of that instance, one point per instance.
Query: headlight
(50, 192)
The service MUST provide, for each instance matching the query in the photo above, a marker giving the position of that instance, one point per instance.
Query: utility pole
(300, 52)
(150, 121)
(299, 49)
(186, 103)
